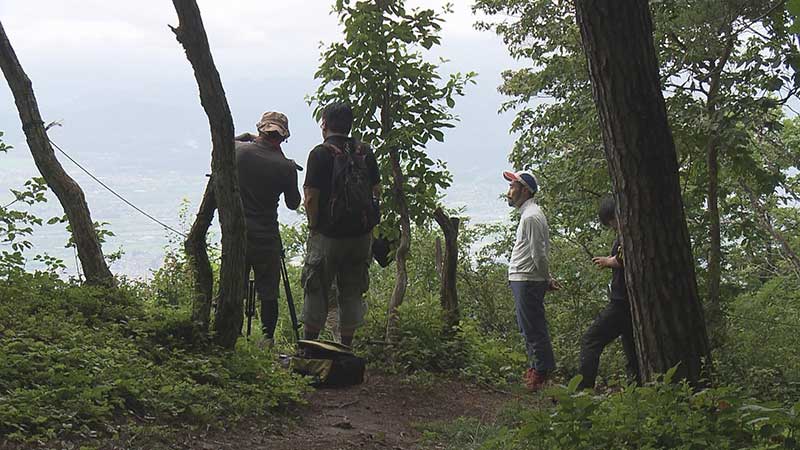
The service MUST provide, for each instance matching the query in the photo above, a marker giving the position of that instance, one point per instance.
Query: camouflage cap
(273, 121)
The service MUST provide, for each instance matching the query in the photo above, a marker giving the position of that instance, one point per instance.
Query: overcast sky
(116, 76)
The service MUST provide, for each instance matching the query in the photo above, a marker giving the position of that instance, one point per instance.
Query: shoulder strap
(359, 147)
(333, 149)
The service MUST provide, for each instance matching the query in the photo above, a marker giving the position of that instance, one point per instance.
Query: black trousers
(614, 321)
(267, 280)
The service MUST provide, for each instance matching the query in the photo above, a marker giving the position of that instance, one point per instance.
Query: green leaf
(574, 382)
(670, 374)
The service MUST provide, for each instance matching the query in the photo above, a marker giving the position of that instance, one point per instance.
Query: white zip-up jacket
(529, 256)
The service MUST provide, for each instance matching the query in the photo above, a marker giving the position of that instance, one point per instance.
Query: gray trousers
(344, 261)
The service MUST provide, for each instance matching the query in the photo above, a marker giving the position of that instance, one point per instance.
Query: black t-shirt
(319, 171)
(264, 174)
(617, 290)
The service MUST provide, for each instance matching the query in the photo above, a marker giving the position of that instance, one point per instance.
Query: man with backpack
(341, 187)
(264, 174)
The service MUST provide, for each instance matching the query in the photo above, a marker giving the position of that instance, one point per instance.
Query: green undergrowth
(79, 362)
(657, 416)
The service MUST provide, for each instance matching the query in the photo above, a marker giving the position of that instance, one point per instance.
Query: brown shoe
(527, 376)
(535, 380)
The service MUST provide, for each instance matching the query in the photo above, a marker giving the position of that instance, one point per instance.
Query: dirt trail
(382, 413)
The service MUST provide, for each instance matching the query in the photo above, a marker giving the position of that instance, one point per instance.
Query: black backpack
(352, 206)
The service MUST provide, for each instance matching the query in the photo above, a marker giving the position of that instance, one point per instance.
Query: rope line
(141, 211)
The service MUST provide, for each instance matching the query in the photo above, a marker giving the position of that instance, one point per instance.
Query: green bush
(75, 359)
(658, 416)
(760, 352)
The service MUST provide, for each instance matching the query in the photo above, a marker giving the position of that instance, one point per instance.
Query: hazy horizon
(122, 87)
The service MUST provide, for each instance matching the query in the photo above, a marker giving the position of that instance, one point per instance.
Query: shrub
(659, 416)
(762, 341)
(73, 360)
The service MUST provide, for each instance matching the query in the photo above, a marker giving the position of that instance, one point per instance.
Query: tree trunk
(398, 192)
(449, 292)
(197, 252)
(438, 256)
(659, 268)
(401, 278)
(192, 35)
(715, 318)
(66, 189)
(715, 241)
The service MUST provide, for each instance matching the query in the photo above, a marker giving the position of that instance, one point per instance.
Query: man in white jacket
(529, 277)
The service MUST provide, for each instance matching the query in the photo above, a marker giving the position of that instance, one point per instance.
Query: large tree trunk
(197, 252)
(448, 292)
(66, 189)
(401, 278)
(192, 35)
(659, 269)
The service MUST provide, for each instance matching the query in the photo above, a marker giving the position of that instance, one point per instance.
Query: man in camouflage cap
(264, 174)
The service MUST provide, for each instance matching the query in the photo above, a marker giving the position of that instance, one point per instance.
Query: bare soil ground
(383, 413)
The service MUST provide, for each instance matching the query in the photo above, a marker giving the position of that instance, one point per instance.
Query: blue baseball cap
(525, 177)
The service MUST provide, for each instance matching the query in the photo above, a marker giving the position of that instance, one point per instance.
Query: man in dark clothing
(340, 236)
(264, 174)
(615, 320)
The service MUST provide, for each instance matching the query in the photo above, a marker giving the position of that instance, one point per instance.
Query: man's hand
(553, 285)
(245, 137)
(311, 203)
(605, 261)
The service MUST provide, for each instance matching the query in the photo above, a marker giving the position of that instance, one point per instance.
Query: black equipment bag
(329, 364)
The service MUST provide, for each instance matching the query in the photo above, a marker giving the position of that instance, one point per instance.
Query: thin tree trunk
(66, 189)
(399, 195)
(668, 319)
(766, 223)
(438, 256)
(449, 291)
(401, 278)
(196, 248)
(715, 318)
(192, 35)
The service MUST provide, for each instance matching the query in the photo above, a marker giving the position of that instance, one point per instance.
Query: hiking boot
(535, 380)
(265, 343)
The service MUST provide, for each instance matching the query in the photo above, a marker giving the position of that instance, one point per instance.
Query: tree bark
(67, 191)
(192, 35)
(449, 291)
(197, 252)
(669, 327)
